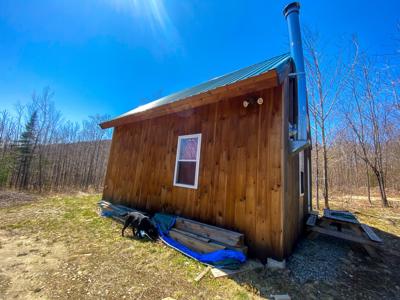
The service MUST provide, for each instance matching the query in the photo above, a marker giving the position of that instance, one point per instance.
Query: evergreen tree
(26, 150)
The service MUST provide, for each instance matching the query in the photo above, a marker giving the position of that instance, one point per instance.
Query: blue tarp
(220, 258)
(107, 213)
(229, 259)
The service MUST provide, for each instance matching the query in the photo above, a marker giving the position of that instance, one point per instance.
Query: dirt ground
(57, 247)
(12, 198)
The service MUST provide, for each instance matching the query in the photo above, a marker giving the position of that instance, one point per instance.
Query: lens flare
(150, 14)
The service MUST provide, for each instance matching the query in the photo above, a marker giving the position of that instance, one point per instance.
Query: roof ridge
(237, 70)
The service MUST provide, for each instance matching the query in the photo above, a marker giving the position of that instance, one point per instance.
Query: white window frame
(197, 160)
(301, 169)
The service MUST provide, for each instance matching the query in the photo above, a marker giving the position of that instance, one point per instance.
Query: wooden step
(231, 238)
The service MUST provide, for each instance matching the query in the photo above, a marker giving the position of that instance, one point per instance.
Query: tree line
(41, 151)
(354, 106)
(355, 114)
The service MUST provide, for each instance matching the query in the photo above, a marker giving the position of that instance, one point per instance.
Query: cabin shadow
(332, 268)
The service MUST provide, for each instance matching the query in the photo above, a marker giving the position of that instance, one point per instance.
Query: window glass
(187, 161)
(188, 148)
(186, 172)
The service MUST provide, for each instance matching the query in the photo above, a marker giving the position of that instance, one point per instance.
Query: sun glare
(151, 14)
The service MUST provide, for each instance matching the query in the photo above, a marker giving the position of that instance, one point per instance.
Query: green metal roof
(242, 74)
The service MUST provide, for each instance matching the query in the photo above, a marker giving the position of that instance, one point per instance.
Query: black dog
(140, 222)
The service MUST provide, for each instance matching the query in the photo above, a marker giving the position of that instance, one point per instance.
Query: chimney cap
(291, 7)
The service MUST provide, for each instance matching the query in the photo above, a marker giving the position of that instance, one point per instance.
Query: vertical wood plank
(240, 175)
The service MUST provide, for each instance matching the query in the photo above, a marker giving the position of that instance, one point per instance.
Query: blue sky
(109, 56)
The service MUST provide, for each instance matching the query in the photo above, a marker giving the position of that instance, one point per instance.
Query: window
(301, 173)
(187, 161)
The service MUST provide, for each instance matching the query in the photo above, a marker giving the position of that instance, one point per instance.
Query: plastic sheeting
(229, 259)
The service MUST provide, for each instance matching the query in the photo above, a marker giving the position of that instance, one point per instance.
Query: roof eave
(266, 80)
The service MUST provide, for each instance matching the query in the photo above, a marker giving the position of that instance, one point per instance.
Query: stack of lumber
(204, 238)
(199, 237)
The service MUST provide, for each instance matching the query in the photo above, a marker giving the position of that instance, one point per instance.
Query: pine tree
(26, 149)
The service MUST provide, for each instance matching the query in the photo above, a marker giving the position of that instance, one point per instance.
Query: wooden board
(212, 232)
(189, 234)
(341, 235)
(249, 265)
(243, 249)
(371, 234)
(202, 274)
(330, 214)
(195, 244)
(370, 249)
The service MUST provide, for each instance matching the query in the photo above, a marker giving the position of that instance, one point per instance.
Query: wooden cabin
(224, 153)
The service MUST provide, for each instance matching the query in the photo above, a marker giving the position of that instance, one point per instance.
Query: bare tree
(326, 84)
(48, 119)
(367, 121)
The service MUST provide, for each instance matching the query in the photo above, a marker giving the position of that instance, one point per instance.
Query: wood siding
(240, 177)
(294, 206)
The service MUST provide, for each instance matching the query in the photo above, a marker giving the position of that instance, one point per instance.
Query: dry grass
(59, 248)
(384, 219)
